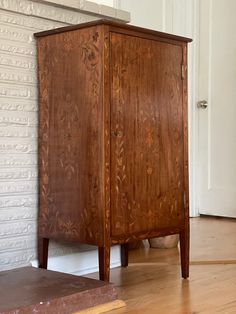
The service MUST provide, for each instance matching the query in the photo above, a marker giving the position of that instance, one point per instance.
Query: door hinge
(182, 71)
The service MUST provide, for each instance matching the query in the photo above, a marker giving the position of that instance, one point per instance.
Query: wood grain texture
(113, 156)
(71, 133)
(146, 135)
(151, 283)
(103, 308)
(185, 233)
(104, 252)
(104, 262)
(113, 24)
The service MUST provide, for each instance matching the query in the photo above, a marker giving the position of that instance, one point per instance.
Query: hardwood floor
(152, 283)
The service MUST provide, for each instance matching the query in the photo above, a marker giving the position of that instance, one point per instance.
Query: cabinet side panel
(147, 143)
(71, 136)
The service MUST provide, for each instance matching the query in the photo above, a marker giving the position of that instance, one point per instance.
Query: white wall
(105, 2)
(148, 13)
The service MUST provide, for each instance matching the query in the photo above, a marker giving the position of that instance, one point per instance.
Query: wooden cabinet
(112, 138)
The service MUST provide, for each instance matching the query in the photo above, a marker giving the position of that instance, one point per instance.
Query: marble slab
(31, 290)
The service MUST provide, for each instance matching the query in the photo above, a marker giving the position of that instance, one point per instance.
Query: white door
(217, 122)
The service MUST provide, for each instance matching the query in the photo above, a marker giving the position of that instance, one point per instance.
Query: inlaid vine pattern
(146, 134)
(65, 126)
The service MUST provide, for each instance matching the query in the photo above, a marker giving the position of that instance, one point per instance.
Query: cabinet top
(110, 23)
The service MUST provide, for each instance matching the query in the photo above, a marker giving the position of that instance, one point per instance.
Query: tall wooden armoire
(113, 156)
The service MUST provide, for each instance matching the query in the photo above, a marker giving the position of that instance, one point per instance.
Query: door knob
(202, 104)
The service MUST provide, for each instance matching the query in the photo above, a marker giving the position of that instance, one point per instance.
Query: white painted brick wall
(19, 19)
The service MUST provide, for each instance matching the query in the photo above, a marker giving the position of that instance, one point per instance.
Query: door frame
(193, 115)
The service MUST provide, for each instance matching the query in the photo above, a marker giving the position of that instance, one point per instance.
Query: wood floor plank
(152, 282)
(103, 308)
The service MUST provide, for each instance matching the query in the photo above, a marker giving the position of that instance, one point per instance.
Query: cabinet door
(146, 135)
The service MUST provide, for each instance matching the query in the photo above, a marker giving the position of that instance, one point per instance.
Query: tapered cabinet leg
(104, 263)
(43, 252)
(124, 250)
(184, 252)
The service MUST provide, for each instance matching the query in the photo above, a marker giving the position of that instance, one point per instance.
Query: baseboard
(81, 263)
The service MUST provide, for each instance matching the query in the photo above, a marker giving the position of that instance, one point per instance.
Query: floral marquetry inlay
(68, 116)
(146, 136)
(69, 121)
(112, 142)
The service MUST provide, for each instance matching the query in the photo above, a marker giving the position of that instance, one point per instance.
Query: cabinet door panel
(146, 135)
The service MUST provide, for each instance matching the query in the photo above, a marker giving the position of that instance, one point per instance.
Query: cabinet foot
(43, 252)
(124, 250)
(104, 263)
(184, 252)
